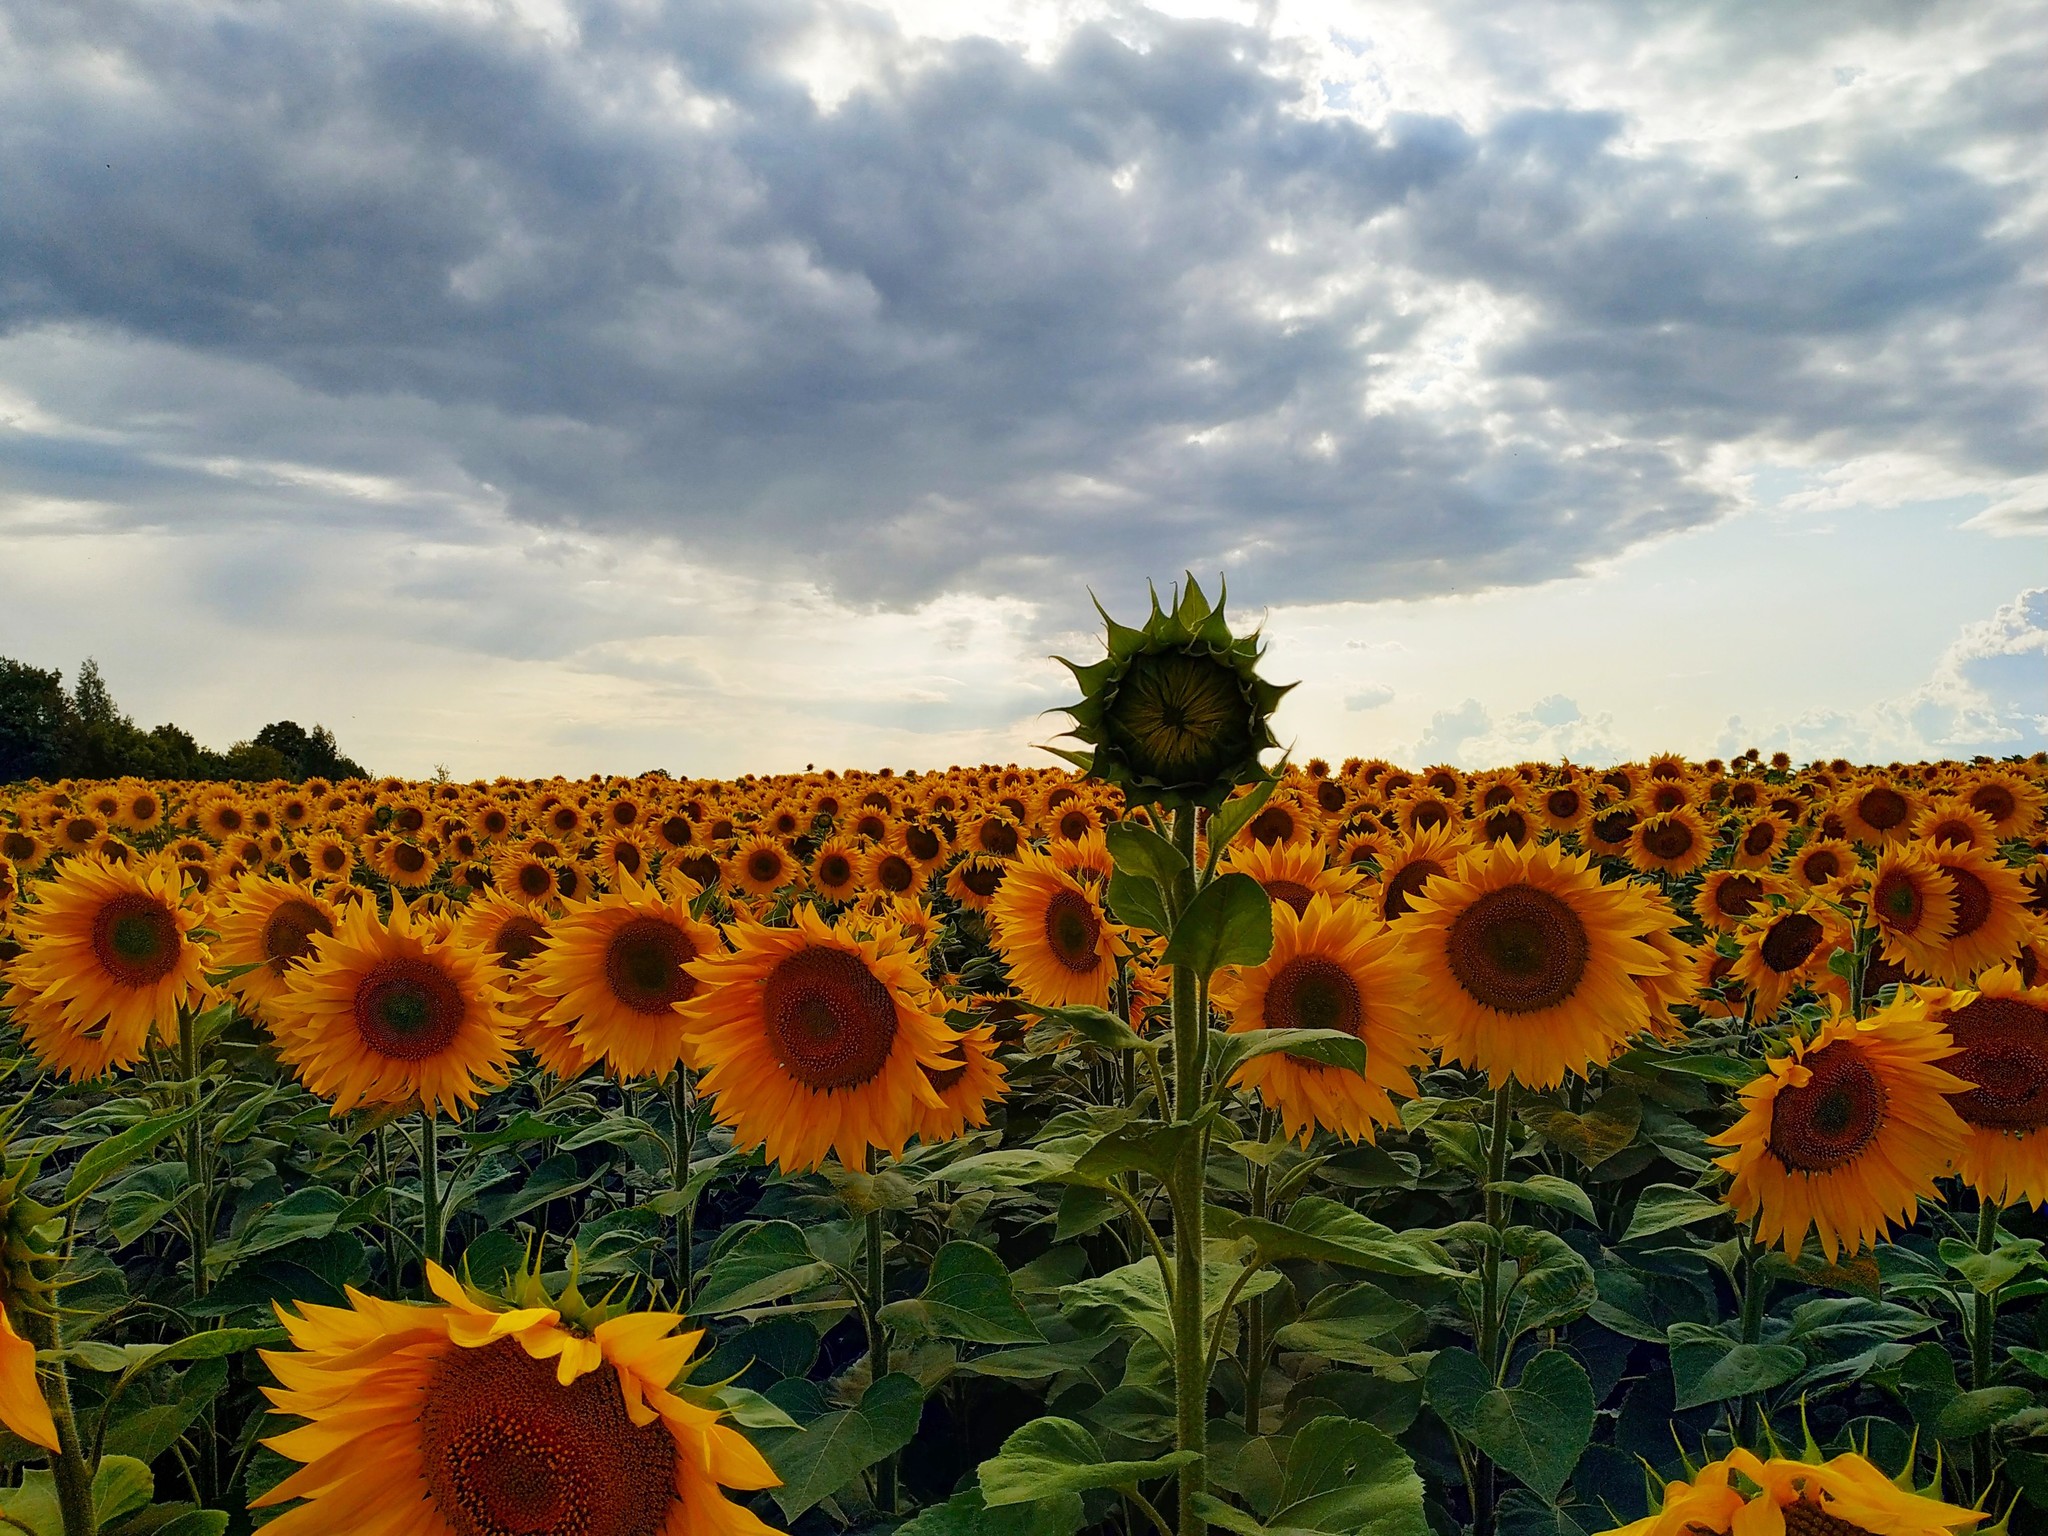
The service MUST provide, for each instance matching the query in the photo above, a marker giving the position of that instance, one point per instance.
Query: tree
(34, 716)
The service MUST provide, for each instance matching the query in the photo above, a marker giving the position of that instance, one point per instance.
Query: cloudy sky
(532, 386)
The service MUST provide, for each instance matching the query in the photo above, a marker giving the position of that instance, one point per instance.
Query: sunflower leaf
(835, 1448)
(1098, 1026)
(1334, 1234)
(1230, 922)
(1234, 815)
(968, 1296)
(1138, 850)
(967, 1514)
(1326, 1047)
(1667, 1207)
(1709, 1367)
(1049, 1457)
(116, 1153)
(1536, 1429)
(1136, 902)
(766, 1263)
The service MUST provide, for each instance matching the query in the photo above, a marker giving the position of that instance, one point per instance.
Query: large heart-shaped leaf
(1230, 922)
(1335, 1234)
(968, 1296)
(1049, 1457)
(829, 1452)
(1592, 1136)
(1707, 1366)
(765, 1263)
(1536, 1429)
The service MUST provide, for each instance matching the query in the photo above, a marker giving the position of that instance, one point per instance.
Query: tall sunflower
(269, 924)
(612, 971)
(816, 1039)
(1845, 1137)
(1060, 945)
(107, 955)
(1529, 963)
(2001, 1037)
(1332, 967)
(394, 1011)
(460, 1419)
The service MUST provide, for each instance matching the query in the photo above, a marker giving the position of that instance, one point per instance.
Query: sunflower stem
(195, 1152)
(1980, 1347)
(1190, 1379)
(878, 1338)
(1255, 1309)
(682, 1139)
(69, 1468)
(430, 1194)
(384, 1183)
(1497, 1206)
(1756, 1290)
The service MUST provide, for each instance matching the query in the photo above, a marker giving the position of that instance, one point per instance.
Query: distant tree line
(49, 732)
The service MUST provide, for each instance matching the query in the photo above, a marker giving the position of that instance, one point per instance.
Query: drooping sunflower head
(1530, 963)
(816, 1039)
(1176, 714)
(465, 1417)
(108, 954)
(394, 1011)
(1843, 1138)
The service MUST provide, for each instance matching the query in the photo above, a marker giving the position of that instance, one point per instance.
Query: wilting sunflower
(761, 866)
(1674, 842)
(1292, 873)
(1743, 1495)
(394, 1012)
(107, 955)
(1990, 919)
(1410, 865)
(2001, 1037)
(1061, 947)
(612, 971)
(1529, 963)
(973, 1081)
(1333, 967)
(1912, 905)
(1727, 896)
(1785, 948)
(269, 924)
(460, 1419)
(1823, 863)
(813, 1040)
(1845, 1137)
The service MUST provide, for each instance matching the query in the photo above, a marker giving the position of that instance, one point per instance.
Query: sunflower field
(1171, 1143)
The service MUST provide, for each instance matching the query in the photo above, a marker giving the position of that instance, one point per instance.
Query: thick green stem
(1980, 1345)
(1756, 1290)
(681, 1145)
(1489, 1288)
(878, 1339)
(1255, 1310)
(1191, 1382)
(198, 1197)
(391, 1266)
(69, 1467)
(430, 1193)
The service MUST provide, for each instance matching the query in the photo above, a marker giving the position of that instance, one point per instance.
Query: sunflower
(1953, 821)
(1051, 930)
(1990, 916)
(1563, 807)
(892, 872)
(2011, 800)
(1088, 860)
(1845, 1496)
(813, 1040)
(975, 880)
(329, 856)
(486, 1422)
(1877, 812)
(966, 1087)
(1716, 991)
(835, 871)
(1610, 827)
(2001, 1037)
(139, 808)
(1727, 896)
(1074, 820)
(1529, 963)
(1913, 905)
(394, 1012)
(1424, 810)
(25, 848)
(525, 876)
(623, 854)
(1292, 873)
(1761, 840)
(107, 955)
(268, 924)
(1410, 865)
(1674, 842)
(1822, 863)
(761, 865)
(612, 971)
(1333, 966)
(1845, 1137)
(1786, 947)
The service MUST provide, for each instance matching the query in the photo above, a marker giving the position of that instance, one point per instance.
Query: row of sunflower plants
(1186, 1145)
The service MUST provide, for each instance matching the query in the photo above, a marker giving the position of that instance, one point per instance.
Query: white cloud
(1371, 696)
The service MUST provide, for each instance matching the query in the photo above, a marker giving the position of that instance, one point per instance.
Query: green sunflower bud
(1176, 713)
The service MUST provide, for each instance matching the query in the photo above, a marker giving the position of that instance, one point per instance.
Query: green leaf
(215, 1344)
(1328, 1047)
(1988, 1273)
(1140, 851)
(196, 1522)
(1549, 1284)
(968, 1514)
(766, 1263)
(1038, 1362)
(1348, 1323)
(1234, 815)
(1667, 1207)
(1230, 922)
(1335, 1234)
(1147, 1148)
(967, 1297)
(1536, 1429)
(1969, 1414)
(1134, 1297)
(1709, 1367)
(818, 1460)
(1728, 1071)
(121, 1486)
(1347, 1477)
(1136, 903)
(1049, 1457)
(1548, 1189)
(116, 1153)
(1098, 1026)
(1603, 1129)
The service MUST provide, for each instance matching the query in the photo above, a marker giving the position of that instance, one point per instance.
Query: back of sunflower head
(27, 1263)
(1175, 714)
